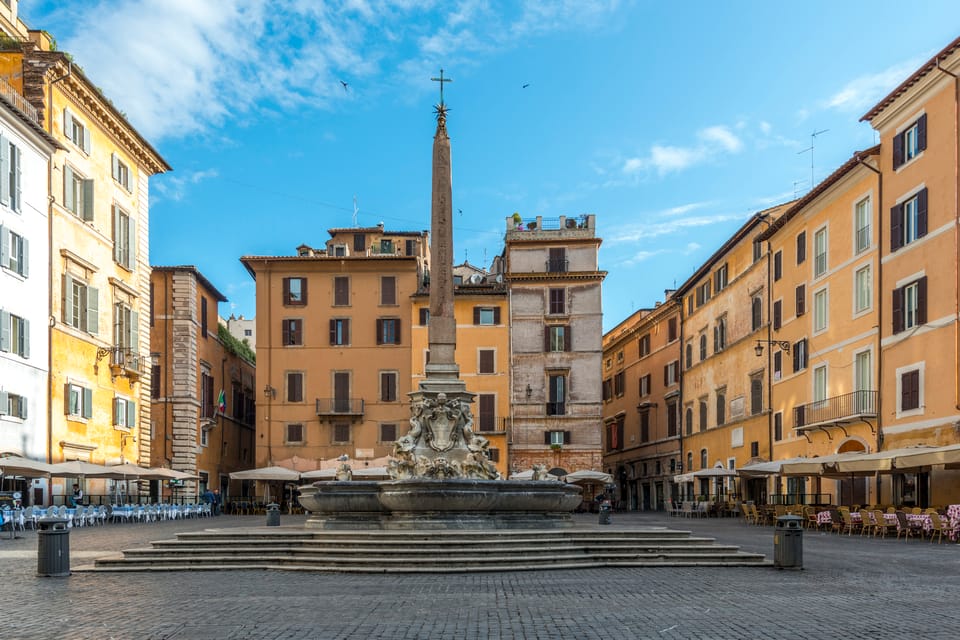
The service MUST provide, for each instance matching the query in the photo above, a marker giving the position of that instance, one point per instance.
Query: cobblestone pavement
(850, 587)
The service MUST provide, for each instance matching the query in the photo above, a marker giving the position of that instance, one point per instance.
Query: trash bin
(605, 512)
(273, 515)
(53, 547)
(788, 543)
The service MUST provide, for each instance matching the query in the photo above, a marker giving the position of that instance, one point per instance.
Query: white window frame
(77, 406)
(556, 437)
(821, 310)
(125, 413)
(820, 234)
(862, 292)
(121, 172)
(76, 131)
(916, 366)
(819, 381)
(7, 410)
(862, 212)
(558, 339)
(911, 142)
(14, 252)
(14, 334)
(911, 296)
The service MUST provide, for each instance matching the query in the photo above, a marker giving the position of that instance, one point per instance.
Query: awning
(713, 472)
(925, 457)
(267, 473)
(80, 469)
(17, 466)
(586, 476)
(161, 473)
(364, 473)
(528, 475)
(767, 468)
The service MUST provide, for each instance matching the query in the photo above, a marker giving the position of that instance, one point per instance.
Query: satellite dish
(499, 278)
(476, 278)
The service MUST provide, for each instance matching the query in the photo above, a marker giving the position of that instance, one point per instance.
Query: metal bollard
(273, 515)
(605, 512)
(788, 543)
(53, 547)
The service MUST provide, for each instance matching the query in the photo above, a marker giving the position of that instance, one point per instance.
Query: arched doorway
(852, 490)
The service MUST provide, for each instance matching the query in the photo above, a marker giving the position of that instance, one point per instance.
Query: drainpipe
(679, 303)
(956, 230)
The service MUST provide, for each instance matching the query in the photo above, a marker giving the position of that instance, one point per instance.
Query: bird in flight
(525, 86)
(344, 85)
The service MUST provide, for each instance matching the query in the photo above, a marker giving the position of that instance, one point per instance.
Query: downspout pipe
(681, 375)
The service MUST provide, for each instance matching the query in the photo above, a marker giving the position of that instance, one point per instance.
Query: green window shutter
(67, 124)
(4, 331)
(67, 300)
(93, 310)
(134, 338)
(4, 170)
(15, 187)
(25, 337)
(131, 242)
(23, 408)
(4, 403)
(4, 246)
(25, 260)
(131, 413)
(115, 166)
(88, 200)
(86, 139)
(117, 412)
(68, 200)
(117, 245)
(87, 403)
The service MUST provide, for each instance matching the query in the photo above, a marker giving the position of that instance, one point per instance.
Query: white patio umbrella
(18, 466)
(267, 474)
(80, 469)
(587, 476)
(365, 473)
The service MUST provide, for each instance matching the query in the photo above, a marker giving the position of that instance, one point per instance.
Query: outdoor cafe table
(950, 522)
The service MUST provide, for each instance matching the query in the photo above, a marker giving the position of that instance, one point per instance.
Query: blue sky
(672, 122)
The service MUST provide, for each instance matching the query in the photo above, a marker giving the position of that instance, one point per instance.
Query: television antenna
(813, 141)
(356, 210)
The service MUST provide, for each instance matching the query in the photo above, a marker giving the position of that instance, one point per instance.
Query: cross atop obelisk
(441, 80)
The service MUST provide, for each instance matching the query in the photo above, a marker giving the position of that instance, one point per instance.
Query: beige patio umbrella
(267, 474)
(923, 457)
(18, 466)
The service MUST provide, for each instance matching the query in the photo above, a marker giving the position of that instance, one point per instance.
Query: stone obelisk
(441, 442)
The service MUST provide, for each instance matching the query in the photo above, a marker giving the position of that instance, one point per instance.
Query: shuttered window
(294, 386)
(910, 142)
(801, 294)
(908, 220)
(292, 331)
(486, 361)
(341, 291)
(910, 390)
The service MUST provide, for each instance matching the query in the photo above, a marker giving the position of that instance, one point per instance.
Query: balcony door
(341, 392)
(863, 383)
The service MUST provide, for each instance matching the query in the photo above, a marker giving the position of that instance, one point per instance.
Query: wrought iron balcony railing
(556, 408)
(557, 266)
(124, 361)
(491, 424)
(836, 410)
(339, 406)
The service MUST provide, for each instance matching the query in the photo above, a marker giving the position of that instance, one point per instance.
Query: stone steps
(425, 552)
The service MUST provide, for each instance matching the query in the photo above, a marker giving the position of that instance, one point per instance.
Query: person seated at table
(77, 499)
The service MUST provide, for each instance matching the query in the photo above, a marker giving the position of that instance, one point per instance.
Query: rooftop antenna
(355, 211)
(484, 264)
(813, 140)
(796, 191)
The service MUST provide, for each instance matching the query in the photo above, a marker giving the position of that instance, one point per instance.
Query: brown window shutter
(286, 291)
(801, 247)
(379, 331)
(546, 437)
(801, 299)
(397, 324)
(897, 150)
(333, 331)
(546, 338)
(496, 315)
(777, 265)
(566, 437)
(666, 378)
(567, 338)
(922, 132)
(922, 300)
(303, 290)
(922, 213)
(346, 331)
(424, 314)
(896, 227)
(898, 310)
(285, 330)
(476, 315)
(777, 314)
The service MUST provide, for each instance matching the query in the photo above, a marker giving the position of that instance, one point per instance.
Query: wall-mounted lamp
(269, 392)
(783, 344)
(529, 392)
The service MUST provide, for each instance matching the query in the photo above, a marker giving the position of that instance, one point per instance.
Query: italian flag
(222, 403)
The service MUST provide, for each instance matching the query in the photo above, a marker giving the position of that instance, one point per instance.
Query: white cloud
(765, 127)
(722, 136)
(182, 67)
(640, 256)
(863, 92)
(173, 186)
(663, 159)
(691, 247)
(684, 208)
(646, 230)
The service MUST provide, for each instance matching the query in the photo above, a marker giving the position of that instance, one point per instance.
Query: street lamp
(783, 344)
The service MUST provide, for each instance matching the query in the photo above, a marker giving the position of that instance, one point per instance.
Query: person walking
(216, 502)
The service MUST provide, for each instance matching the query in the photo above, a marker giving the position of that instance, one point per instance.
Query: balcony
(491, 424)
(340, 408)
(557, 266)
(125, 362)
(837, 411)
(556, 408)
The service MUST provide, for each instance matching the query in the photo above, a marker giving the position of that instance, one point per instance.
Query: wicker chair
(881, 525)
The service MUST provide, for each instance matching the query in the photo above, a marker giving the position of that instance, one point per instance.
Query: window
(754, 449)
(359, 242)
(862, 218)
(777, 365)
(14, 334)
(388, 290)
(493, 454)
(644, 426)
(721, 407)
(689, 420)
(486, 361)
(671, 329)
(908, 144)
(155, 381)
(607, 389)
(618, 383)
(690, 305)
(645, 385)
(756, 313)
(294, 386)
(908, 220)
(294, 292)
(9, 174)
(558, 299)
(615, 434)
(820, 383)
(295, 433)
(862, 292)
(644, 345)
(778, 426)
(203, 317)
(341, 291)
(75, 131)
(126, 324)
(703, 346)
(248, 332)
(690, 461)
(14, 252)
(777, 314)
(292, 329)
(910, 390)
(777, 266)
(819, 252)
(703, 293)
(820, 317)
(556, 437)
(757, 251)
(424, 316)
(672, 417)
(689, 354)
(703, 458)
(703, 414)
(13, 405)
(801, 295)
(910, 305)
(124, 239)
(79, 401)
(557, 388)
(486, 412)
(557, 263)
(340, 331)
(207, 408)
(720, 335)
(557, 338)
(486, 315)
(800, 355)
(77, 194)
(388, 432)
(124, 413)
(388, 331)
(801, 247)
(411, 247)
(670, 373)
(388, 386)
(386, 246)
(720, 279)
(341, 432)
(756, 395)
(120, 172)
